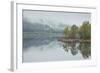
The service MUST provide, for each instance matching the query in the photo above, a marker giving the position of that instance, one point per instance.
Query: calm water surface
(41, 49)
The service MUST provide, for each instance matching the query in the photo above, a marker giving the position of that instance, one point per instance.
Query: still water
(40, 49)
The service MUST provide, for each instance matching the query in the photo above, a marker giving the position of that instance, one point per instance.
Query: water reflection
(27, 43)
(54, 50)
(84, 48)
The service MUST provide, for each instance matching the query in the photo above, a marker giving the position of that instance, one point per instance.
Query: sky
(57, 19)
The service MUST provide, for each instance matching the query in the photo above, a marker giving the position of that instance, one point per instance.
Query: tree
(85, 31)
(66, 32)
(73, 32)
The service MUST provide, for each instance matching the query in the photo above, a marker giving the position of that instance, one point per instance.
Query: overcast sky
(54, 18)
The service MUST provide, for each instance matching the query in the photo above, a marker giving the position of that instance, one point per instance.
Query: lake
(41, 47)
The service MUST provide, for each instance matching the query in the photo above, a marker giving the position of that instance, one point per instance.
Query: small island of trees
(76, 33)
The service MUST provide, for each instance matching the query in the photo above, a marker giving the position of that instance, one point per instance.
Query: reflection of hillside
(35, 42)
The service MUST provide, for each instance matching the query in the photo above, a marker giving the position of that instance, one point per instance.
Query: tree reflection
(74, 47)
(85, 49)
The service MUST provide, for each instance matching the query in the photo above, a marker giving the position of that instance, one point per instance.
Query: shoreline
(73, 40)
